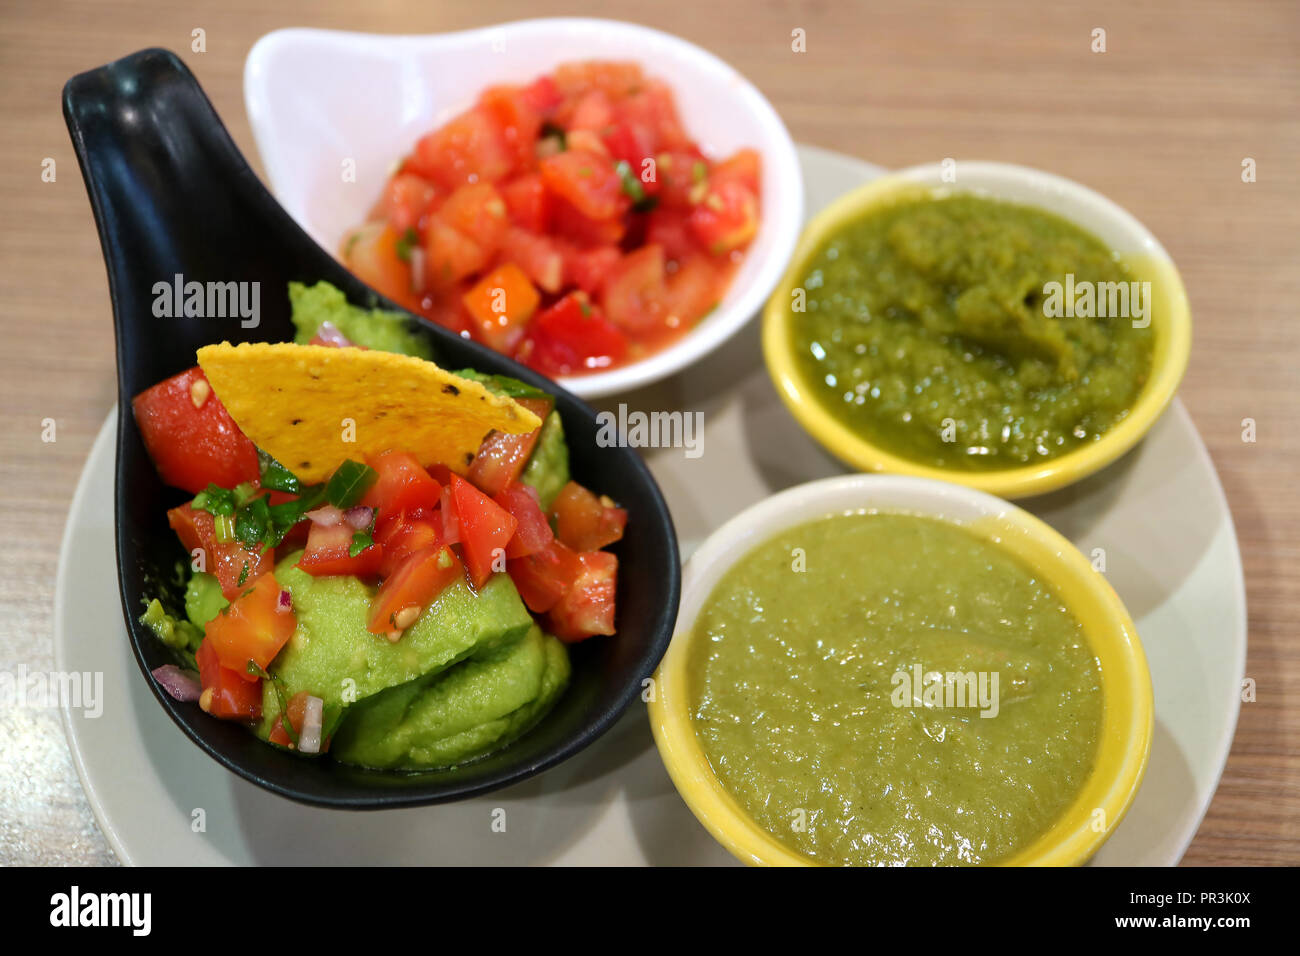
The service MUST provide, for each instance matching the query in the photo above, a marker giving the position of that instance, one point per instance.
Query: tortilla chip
(310, 407)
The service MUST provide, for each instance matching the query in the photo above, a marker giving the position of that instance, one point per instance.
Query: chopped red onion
(326, 515)
(285, 603)
(181, 684)
(359, 517)
(329, 334)
(313, 715)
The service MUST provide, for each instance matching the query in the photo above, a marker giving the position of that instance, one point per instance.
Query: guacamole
(938, 328)
(372, 328)
(481, 705)
(816, 693)
(449, 711)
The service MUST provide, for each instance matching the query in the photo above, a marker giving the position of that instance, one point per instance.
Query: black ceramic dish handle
(172, 196)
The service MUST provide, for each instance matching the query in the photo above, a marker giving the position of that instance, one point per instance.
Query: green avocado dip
(891, 689)
(471, 675)
(971, 333)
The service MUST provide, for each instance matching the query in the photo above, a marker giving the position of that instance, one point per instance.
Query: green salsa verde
(809, 697)
(932, 328)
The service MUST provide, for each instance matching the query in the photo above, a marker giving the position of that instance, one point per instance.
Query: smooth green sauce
(797, 702)
(928, 330)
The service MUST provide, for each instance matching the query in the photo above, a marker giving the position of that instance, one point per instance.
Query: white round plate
(1159, 514)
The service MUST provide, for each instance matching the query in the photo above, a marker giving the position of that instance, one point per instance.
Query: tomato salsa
(419, 613)
(571, 222)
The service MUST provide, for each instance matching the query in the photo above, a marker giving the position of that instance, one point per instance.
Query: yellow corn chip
(310, 407)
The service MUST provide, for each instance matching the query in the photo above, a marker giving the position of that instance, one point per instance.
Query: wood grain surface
(1161, 122)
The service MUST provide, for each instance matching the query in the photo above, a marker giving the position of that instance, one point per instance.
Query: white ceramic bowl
(316, 98)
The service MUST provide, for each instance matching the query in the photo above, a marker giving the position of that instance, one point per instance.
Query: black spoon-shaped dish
(173, 196)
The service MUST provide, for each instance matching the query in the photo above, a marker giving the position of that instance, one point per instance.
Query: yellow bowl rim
(1128, 703)
(1173, 328)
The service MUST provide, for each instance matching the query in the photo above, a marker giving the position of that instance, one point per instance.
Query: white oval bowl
(316, 98)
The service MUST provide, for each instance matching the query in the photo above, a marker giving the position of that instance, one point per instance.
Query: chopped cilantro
(276, 477)
(360, 541)
(632, 186)
(349, 482)
(405, 243)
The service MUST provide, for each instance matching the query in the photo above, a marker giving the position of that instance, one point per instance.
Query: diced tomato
(589, 268)
(651, 106)
(593, 111)
(571, 224)
(415, 583)
(585, 522)
(726, 218)
(632, 142)
(587, 140)
(501, 304)
(518, 119)
(252, 628)
(528, 203)
(370, 251)
(191, 437)
(478, 212)
(587, 181)
(744, 167)
(587, 608)
(402, 486)
(616, 78)
(635, 296)
(233, 697)
(533, 532)
(402, 536)
(447, 310)
(450, 254)
(681, 176)
(539, 256)
(693, 290)
(329, 552)
(542, 95)
(233, 565)
(544, 576)
(671, 229)
(468, 149)
(407, 199)
(571, 336)
(485, 529)
(501, 458)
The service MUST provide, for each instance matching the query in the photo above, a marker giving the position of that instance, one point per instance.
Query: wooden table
(1161, 122)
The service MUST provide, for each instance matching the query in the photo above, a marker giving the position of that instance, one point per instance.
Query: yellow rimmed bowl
(1124, 741)
(1171, 320)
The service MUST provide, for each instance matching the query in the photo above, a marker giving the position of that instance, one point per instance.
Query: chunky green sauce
(928, 330)
(798, 702)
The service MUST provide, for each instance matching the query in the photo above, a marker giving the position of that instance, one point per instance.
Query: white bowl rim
(777, 149)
